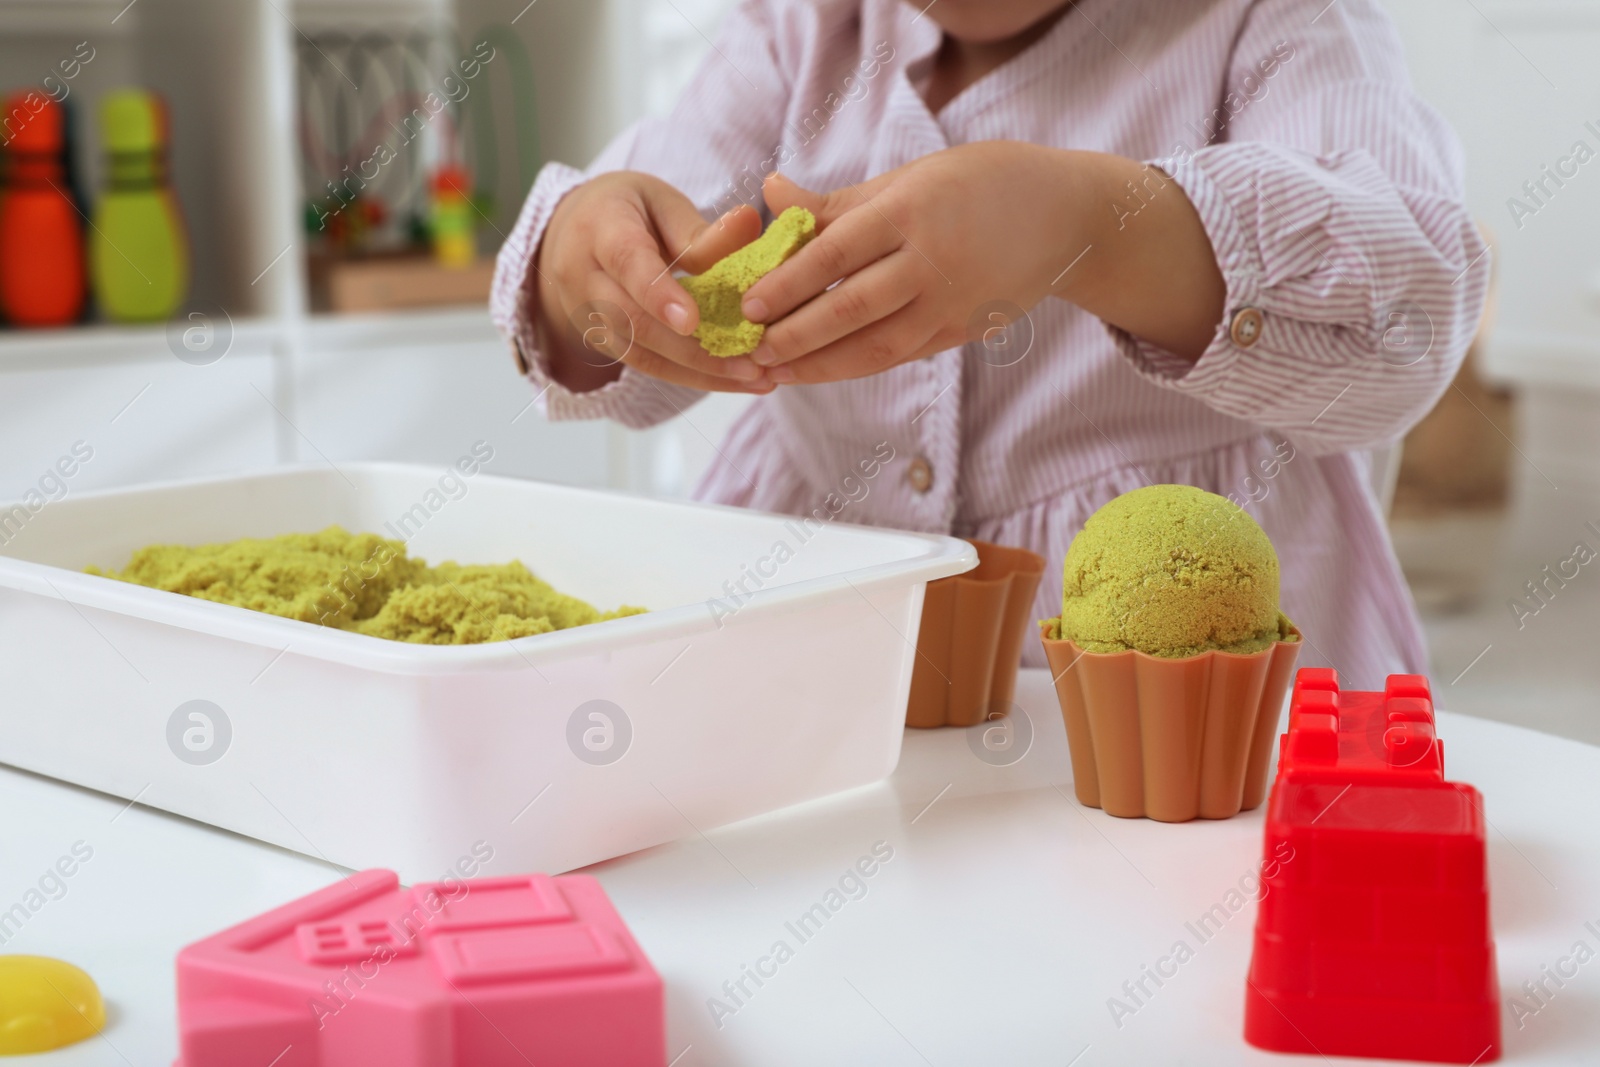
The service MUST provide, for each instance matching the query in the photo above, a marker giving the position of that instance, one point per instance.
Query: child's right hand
(612, 245)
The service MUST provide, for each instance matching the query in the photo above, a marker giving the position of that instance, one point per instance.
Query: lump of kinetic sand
(723, 329)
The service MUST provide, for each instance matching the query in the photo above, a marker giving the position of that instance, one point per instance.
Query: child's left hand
(919, 249)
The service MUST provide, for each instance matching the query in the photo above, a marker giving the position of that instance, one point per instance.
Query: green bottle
(138, 250)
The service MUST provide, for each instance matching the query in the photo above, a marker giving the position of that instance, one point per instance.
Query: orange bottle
(42, 274)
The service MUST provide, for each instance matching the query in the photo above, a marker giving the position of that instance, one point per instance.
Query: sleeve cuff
(635, 400)
(1237, 254)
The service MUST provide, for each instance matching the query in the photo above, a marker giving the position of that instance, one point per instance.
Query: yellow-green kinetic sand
(1171, 571)
(723, 329)
(366, 584)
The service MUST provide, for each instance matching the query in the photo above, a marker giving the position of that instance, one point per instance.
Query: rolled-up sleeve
(1333, 201)
(726, 122)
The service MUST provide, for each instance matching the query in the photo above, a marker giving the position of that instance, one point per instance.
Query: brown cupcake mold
(1170, 739)
(969, 644)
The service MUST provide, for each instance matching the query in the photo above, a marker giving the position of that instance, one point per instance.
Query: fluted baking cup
(970, 641)
(1170, 739)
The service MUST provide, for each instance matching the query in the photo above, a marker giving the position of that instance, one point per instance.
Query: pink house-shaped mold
(490, 972)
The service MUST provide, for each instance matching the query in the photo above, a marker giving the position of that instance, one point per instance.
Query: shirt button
(920, 475)
(1246, 327)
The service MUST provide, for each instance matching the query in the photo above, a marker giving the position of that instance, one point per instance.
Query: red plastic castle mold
(1373, 940)
(491, 972)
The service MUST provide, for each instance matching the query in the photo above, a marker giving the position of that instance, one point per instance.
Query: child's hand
(613, 243)
(920, 249)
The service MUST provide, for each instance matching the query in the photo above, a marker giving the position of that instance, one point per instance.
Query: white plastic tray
(368, 752)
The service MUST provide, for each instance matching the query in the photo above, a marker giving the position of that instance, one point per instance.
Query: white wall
(1519, 81)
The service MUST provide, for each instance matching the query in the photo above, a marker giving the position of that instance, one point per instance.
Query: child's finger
(640, 331)
(629, 254)
(904, 335)
(780, 193)
(853, 241)
(863, 298)
(695, 244)
(658, 366)
(609, 340)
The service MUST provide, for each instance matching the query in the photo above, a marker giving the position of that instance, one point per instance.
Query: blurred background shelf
(106, 343)
(400, 329)
(296, 385)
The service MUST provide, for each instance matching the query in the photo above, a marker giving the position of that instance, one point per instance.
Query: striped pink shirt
(1332, 196)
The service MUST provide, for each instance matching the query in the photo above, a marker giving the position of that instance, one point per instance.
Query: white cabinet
(140, 413)
(424, 389)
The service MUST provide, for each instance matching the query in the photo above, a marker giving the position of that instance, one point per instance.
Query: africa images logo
(199, 732)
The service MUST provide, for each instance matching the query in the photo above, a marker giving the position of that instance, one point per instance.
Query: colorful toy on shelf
(139, 250)
(720, 288)
(488, 972)
(46, 1004)
(350, 225)
(451, 220)
(42, 278)
(1374, 939)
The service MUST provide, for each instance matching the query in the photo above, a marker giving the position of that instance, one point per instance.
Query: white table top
(1007, 918)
